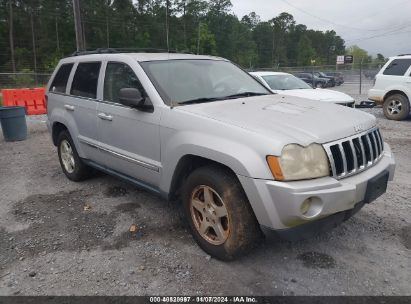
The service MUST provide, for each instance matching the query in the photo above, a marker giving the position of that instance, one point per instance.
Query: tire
(71, 164)
(396, 107)
(239, 229)
(319, 85)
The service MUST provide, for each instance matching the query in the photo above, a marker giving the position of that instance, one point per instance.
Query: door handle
(69, 107)
(105, 116)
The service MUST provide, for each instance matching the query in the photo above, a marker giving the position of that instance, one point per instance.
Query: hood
(285, 118)
(318, 94)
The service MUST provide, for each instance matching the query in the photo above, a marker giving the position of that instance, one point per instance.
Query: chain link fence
(23, 80)
(358, 79)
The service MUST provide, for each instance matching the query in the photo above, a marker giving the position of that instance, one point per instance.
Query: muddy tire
(396, 107)
(71, 164)
(218, 213)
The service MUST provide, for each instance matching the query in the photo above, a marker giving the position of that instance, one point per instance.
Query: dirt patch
(314, 259)
(128, 207)
(406, 236)
(60, 222)
(115, 191)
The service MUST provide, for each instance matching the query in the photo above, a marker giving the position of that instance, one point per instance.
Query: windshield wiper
(211, 99)
(244, 94)
(199, 100)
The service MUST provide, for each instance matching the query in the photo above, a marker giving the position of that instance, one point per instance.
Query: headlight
(297, 163)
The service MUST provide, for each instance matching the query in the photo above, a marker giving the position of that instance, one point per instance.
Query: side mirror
(133, 98)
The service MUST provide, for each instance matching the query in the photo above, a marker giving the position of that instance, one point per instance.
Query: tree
(210, 26)
(251, 20)
(306, 52)
(360, 55)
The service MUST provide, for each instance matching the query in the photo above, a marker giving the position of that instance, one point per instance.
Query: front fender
(241, 159)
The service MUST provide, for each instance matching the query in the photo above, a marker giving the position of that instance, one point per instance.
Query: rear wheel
(396, 107)
(218, 212)
(70, 162)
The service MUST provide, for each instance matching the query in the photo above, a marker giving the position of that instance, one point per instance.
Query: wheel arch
(57, 128)
(393, 92)
(187, 164)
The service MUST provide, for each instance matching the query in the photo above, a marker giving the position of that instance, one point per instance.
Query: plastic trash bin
(13, 123)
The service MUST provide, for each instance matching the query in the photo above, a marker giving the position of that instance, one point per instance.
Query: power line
(389, 33)
(329, 21)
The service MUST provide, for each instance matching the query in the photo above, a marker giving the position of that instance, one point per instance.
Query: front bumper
(277, 205)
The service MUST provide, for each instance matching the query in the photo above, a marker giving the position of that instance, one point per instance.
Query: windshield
(179, 81)
(285, 82)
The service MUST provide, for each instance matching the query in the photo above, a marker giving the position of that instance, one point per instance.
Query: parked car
(392, 87)
(201, 131)
(331, 79)
(287, 84)
(339, 77)
(316, 83)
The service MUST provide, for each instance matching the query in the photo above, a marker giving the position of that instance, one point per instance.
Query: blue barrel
(13, 123)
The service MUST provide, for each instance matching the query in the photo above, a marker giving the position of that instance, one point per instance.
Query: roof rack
(404, 55)
(120, 50)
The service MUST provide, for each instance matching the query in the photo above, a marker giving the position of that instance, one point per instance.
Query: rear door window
(397, 67)
(85, 80)
(59, 83)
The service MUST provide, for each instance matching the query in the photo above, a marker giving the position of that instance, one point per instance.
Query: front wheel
(218, 212)
(396, 107)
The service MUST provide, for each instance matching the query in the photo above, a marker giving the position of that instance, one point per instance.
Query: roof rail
(120, 50)
(404, 55)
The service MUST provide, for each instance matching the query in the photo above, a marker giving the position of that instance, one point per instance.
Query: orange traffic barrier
(33, 100)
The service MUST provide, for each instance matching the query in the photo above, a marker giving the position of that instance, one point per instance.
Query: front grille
(354, 154)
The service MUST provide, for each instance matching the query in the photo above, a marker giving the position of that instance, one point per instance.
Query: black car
(317, 82)
(339, 77)
(331, 79)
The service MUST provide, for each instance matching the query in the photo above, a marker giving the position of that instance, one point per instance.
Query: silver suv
(201, 131)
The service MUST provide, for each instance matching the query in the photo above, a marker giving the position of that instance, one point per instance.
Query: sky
(378, 26)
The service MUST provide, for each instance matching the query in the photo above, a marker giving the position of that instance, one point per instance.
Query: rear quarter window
(85, 80)
(397, 67)
(59, 83)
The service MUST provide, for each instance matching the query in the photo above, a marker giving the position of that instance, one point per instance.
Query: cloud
(363, 23)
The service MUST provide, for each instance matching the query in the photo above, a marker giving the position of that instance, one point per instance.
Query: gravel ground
(63, 238)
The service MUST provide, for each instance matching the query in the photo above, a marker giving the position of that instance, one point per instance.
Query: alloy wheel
(394, 107)
(67, 156)
(209, 215)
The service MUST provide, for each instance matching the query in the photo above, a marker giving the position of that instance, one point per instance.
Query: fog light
(305, 206)
(311, 207)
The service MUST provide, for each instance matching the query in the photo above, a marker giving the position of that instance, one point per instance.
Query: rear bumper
(376, 95)
(277, 205)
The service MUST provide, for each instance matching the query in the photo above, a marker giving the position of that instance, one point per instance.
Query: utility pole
(107, 26)
(184, 24)
(78, 26)
(57, 36)
(34, 46)
(11, 36)
(167, 27)
(361, 75)
(199, 37)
